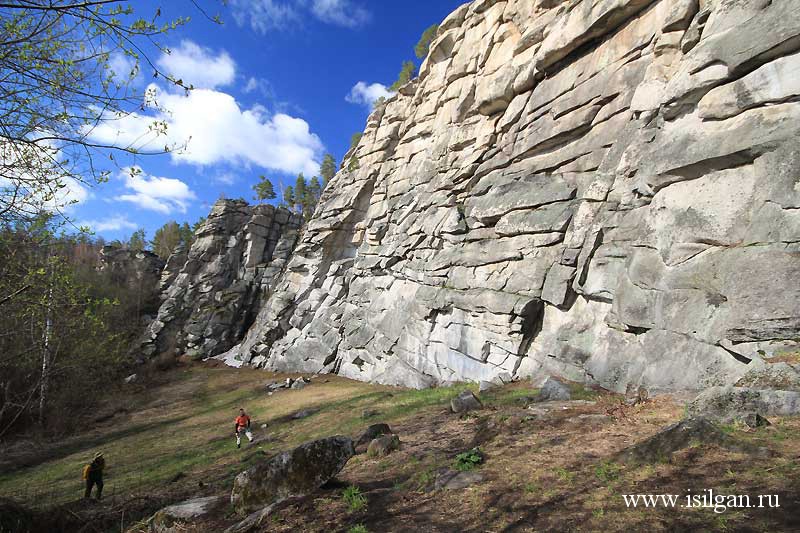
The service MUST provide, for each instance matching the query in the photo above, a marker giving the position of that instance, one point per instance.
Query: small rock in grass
(383, 445)
(371, 433)
(553, 390)
(466, 401)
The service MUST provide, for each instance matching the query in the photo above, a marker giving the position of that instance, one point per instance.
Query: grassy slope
(542, 472)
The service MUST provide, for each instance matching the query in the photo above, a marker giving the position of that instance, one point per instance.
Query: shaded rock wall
(601, 189)
(214, 291)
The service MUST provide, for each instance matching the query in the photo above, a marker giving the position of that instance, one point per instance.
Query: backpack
(86, 470)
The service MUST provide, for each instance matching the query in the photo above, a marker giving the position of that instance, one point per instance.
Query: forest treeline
(66, 326)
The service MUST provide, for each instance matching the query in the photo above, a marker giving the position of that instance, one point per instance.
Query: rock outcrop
(213, 296)
(605, 191)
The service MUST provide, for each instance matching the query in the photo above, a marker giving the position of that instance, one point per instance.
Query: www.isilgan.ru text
(707, 499)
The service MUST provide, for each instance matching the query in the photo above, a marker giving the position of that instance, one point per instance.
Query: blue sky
(279, 84)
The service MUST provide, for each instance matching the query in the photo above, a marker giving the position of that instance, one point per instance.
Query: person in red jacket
(242, 426)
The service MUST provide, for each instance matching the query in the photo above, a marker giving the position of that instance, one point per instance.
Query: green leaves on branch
(58, 84)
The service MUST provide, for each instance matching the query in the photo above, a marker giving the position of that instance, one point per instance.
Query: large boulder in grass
(728, 404)
(291, 473)
(174, 518)
(683, 434)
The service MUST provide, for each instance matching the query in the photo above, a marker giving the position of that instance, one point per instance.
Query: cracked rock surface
(602, 190)
(212, 291)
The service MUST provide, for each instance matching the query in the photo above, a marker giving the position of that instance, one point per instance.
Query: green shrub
(606, 472)
(354, 499)
(468, 460)
(360, 528)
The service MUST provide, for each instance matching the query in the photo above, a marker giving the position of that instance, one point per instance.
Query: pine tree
(328, 168)
(424, 44)
(138, 241)
(316, 188)
(355, 139)
(288, 198)
(300, 192)
(311, 198)
(187, 236)
(264, 189)
(406, 73)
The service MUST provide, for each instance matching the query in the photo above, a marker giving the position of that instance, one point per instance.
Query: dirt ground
(548, 466)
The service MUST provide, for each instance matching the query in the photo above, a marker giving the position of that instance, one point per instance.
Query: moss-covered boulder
(292, 473)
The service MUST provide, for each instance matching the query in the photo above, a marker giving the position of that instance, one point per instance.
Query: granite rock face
(212, 292)
(602, 190)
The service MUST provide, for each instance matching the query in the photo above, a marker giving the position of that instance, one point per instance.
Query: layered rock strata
(213, 296)
(606, 190)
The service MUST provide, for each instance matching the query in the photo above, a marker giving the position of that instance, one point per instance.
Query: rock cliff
(607, 190)
(213, 292)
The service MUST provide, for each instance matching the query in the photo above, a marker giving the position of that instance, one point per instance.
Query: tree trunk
(46, 356)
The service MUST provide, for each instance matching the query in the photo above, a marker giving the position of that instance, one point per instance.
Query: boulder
(663, 444)
(485, 386)
(303, 413)
(371, 433)
(728, 404)
(173, 519)
(466, 401)
(553, 390)
(455, 480)
(291, 473)
(133, 378)
(383, 445)
(299, 383)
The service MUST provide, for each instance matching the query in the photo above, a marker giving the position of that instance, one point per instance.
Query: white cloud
(218, 130)
(198, 66)
(114, 223)
(365, 94)
(124, 68)
(252, 85)
(340, 12)
(265, 15)
(226, 178)
(164, 195)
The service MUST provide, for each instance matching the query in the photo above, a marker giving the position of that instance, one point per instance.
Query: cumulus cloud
(113, 223)
(198, 66)
(366, 94)
(164, 195)
(265, 15)
(215, 129)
